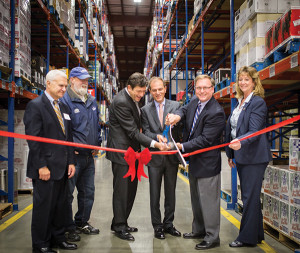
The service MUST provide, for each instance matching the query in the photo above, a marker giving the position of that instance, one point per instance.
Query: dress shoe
(131, 229)
(172, 231)
(124, 235)
(192, 235)
(72, 236)
(238, 244)
(67, 245)
(159, 233)
(207, 245)
(43, 250)
(88, 229)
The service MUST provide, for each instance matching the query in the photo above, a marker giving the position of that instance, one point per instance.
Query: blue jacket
(252, 119)
(85, 118)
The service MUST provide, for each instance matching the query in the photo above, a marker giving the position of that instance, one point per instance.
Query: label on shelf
(272, 71)
(294, 61)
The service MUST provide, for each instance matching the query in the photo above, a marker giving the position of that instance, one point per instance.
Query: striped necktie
(58, 114)
(196, 117)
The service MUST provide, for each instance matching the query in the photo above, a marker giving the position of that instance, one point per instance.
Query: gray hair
(53, 74)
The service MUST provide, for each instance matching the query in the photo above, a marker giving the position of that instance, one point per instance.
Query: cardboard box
(295, 188)
(276, 182)
(284, 214)
(275, 212)
(290, 24)
(261, 6)
(242, 58)
(294, 153)
(284, 185)
(267, 208)
(256, 50)
(268, 180)
(295, 222)
(284, 5)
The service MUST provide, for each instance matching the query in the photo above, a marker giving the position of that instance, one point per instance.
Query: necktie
(161, 114)
(196, 117)
(58, 114)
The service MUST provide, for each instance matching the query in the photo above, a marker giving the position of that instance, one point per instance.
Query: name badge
(67, 116)
(76, 110)
(94, 108)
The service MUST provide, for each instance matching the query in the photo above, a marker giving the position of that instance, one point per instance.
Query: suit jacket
(152, 127)
(252, 119)
(124, 127)
(206, 133)
(40, 120)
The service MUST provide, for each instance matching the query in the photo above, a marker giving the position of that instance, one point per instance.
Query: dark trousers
(251, 177)
(169, 173)
(123, 196)
(48, 213)
(84, 180)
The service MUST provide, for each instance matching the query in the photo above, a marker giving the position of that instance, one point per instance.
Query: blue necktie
(196, 117)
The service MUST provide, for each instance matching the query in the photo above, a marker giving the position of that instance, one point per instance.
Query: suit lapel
(194, 104)
(153, 112)
(241, 117)
(136, 113)
(51, 111)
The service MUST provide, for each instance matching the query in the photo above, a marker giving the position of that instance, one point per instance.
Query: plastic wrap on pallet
(295, 223)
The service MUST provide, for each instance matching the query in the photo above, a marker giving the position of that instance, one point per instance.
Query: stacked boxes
(252, 22)
(282, 194)
(285, 29)
(23, 39)
(5, 32)
(20, 150)
(38, 71)
(221, 74)
(81, 38)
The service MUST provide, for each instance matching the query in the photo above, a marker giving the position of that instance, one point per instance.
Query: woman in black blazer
(251, 155)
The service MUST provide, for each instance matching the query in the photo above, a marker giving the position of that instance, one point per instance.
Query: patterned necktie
(196, 117)
(161, 114)
(58, 114)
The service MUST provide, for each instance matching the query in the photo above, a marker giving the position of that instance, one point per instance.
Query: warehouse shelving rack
(280, 80)
(63, 54)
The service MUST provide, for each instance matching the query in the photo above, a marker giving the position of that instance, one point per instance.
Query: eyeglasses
(205, 88)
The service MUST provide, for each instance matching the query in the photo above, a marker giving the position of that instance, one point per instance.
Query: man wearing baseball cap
(84, 114)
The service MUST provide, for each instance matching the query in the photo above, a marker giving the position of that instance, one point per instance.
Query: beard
(81, 91)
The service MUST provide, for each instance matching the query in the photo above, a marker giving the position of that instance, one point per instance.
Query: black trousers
(123, 196)
(251, 177)
(156, 174)
(48, 213)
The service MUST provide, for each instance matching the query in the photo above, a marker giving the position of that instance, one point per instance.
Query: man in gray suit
(124, 132)
(153, 115)
(204, 122)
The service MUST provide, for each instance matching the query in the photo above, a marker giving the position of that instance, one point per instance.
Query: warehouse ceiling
(130, 24)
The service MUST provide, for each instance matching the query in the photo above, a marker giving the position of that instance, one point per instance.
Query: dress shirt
(236, 114)
(51, 99)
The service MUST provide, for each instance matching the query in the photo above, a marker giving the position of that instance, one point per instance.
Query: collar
(247, 99)
(49, 97)
(203, 103)
(129, 94)
(157, 104)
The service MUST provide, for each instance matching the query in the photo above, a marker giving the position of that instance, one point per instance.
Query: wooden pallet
(286, 240)
(5, 209)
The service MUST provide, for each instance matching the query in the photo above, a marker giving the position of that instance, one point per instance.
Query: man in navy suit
(204, 122)
(49, 165)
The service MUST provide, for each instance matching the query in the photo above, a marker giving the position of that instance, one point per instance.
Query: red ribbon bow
(130, 157)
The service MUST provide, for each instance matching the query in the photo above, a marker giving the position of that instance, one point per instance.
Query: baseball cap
(80, 73)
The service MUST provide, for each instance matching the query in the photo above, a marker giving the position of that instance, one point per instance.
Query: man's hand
(162, 146)
(44, 173)
(231, 163)
(71, 170)
(235, 144)
(179, 145)
(172, 119)
(162, 139)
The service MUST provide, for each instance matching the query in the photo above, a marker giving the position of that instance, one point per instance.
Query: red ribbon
(130, 157)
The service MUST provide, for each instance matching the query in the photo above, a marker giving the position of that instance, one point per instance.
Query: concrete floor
(17, 237)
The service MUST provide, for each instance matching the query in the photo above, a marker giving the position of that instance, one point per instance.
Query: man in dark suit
(204, 123)
(124, 132)
(49, 165)
(153, 115)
